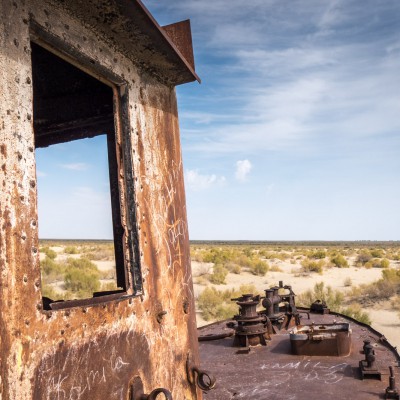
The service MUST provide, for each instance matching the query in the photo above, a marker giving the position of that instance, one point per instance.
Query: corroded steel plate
(272, 372)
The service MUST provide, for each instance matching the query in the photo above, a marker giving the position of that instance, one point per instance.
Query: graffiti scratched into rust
(75, 70)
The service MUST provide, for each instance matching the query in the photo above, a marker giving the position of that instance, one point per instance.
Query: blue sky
(294, 133)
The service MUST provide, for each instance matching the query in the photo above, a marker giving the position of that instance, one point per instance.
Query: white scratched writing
(309, 371)
(79, 386)
(277, 376)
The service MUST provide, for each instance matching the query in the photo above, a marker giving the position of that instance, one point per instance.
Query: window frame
(128, 269)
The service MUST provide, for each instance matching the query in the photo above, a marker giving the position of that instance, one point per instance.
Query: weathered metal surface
(368, 367)
(202, 379)
(272, 372)
(280, 306)
(137, 392)
(128, 26)
(391, 391)
(94, 351)
(252, 329)
(319, 307)
(181, 35)
(321, 340)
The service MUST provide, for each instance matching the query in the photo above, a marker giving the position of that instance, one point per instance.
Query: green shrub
(245, 261)
(347, 282)
(318, 254)
(49, 252)
(51, 270)
(312, 265)
(243, 289)
(266, 254)
(233, 267)
(219, 275)
(333, 298)
(354, 311)
(208, 302)
(70, 250)
(259, 267)
(364, 256)
(377, 263)
(339, 261)
(377, 253)
(81, 277)
(82, 264)
(217, 304)
(391, 275)
(383, 289)
(219, 255)
(385, 263)
(248, 251)
(83, 283)
(396, 305)
(48, 291)
(196, 254)
(99, 252)
(201, 280)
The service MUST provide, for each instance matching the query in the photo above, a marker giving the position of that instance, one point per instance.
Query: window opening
(73, 114)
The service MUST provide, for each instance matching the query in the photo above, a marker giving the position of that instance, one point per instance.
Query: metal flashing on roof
(179, 37)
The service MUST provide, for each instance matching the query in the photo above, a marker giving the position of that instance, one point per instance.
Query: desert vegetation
(73, 271)
(356, 279)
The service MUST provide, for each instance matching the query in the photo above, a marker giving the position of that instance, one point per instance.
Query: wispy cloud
(40, 174)
(197, 181)
(243, 168)
(278, 74)
(75, 166)
(315, 88)
(306, 90)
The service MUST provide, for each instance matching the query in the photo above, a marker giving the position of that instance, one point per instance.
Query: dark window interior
(68, 105)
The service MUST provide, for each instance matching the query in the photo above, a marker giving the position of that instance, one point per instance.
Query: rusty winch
(252, 329)
(280, 307)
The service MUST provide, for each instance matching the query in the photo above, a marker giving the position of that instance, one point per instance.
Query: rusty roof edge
(168, 39)
(181, 35)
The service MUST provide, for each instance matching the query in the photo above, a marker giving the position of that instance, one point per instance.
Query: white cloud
(197, 181)
(40, 174)
(331, 16)
(75, 166)
(243, 168)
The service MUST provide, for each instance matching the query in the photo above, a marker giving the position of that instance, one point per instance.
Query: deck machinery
(286, 352)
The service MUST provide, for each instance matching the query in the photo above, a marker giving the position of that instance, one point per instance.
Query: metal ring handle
(204, 381)
(154, 394)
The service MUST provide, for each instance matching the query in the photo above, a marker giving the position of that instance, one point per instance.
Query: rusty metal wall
(92, 352)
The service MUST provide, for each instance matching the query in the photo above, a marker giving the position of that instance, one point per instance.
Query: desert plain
(360, 279)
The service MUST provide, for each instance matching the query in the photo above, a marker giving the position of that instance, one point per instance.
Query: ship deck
(272, 372)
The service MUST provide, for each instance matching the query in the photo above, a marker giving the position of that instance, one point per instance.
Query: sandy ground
(105, 265)
(384, 318)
